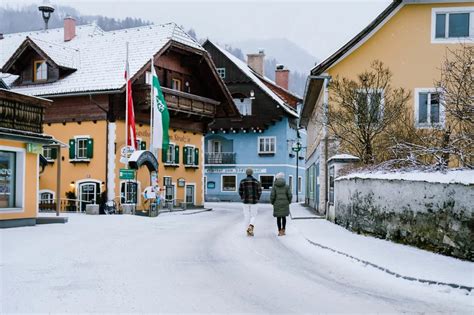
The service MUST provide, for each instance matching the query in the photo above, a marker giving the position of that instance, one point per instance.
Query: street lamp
(46, 9)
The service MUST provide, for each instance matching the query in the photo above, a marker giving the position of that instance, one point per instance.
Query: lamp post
(46, 9)
(297, 148)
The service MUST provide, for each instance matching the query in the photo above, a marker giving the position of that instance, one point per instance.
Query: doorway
(190, 189)
(88, 192)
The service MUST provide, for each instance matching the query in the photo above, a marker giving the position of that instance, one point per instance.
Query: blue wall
(245, 146)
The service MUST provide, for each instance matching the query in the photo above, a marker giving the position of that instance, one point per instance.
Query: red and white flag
(131, 132)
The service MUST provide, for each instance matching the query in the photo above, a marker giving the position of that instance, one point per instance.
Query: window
(451, 24)
(369, 106)
(221, 72)
(244, 105)
(290, 182)
(170, 156)
(229, 183)
(267, 181)
(266, 145)
(8, 179)
(46, 197)
(300, 184)
(140, 144)
(176, 84)
(128, 192)
(81, 148)
(40, 69)
(50, 153)
(429, 111)
(191, 156)
(331, 185)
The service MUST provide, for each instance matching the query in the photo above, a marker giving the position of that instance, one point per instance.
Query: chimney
(69, 28)
(255, 61)
(281, 76)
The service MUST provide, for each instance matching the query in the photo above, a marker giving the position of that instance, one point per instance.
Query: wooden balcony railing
(20, 116)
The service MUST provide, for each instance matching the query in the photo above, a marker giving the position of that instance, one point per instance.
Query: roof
(8, 94)
(257, 79)
(289, 97)
(91, 43)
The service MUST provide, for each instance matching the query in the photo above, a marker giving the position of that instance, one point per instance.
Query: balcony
(17, 112)
(220, 158)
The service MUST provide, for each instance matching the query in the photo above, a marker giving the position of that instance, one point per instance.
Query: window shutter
(163, 155)
(142, 145)
(72, 149)
(54, 153)
(176, 154)
(196, 156)
(185, 155)
(90, 148)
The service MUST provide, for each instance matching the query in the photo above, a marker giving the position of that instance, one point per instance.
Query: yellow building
(84, 74)
(21, 141)
(411, 38)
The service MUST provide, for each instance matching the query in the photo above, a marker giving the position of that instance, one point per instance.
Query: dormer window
(40, 69)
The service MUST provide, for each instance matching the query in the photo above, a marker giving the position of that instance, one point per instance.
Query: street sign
(126, 174)
(36, 148)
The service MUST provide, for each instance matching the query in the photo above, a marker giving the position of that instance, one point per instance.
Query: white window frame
(265, 138)
(428, 124)
(300, 184)
(173, 160)
(447, 11)
(290, 182)
(186, 192)
(76, 139)
(221, 72)
(20, 180)
(382, 101)
(222, 183)
(192, 147)
(138, 191)
(49, 149)
(46, 191)
(243, 110)
(267, 175)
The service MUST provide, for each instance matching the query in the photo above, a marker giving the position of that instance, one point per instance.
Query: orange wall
(31, 184)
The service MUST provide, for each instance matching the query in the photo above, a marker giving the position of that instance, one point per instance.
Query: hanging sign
(125, 154)
(181, 182)
(36, 148)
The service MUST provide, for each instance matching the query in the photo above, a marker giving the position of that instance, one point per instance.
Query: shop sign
(35, 148)
(126, 173)
(125, 154)
(181, 182)
(236, 170)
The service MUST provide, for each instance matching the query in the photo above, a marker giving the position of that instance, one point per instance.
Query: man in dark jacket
(250, 191)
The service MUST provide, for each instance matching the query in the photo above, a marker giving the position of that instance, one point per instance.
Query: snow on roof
(99, 56)
(343, 157)
(254, 77)
(464, 177)
(62, 55)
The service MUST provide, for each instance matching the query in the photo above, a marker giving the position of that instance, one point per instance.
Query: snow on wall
(438, 216)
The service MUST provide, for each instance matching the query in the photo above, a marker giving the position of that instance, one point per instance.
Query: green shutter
(142, 145)
(90, 148)
(185, 155)
(176, 154)
(72, 149)
(196, 156)
(54, 153)
(163, 155)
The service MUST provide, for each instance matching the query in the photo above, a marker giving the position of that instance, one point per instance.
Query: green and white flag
(161, 116)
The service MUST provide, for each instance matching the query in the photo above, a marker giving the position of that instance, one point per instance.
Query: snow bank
(464, 177)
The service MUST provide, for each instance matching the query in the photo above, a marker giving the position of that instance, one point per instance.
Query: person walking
(250, 191)
(280, 198)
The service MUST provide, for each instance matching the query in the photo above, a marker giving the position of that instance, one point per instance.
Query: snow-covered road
(196, 263)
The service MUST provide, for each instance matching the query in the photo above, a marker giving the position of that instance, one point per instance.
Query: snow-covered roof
(343, 157)
(465, 177)
(97, 56)
(255, 78)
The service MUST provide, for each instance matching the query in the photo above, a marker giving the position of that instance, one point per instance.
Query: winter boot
(280, 232)
(251, 230)
(283, 232)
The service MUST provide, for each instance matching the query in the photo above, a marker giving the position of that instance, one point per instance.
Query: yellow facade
(95, 171)
(29, 178)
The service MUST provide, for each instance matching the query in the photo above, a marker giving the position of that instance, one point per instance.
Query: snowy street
(197, 262)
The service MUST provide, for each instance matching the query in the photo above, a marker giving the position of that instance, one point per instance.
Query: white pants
(250, 213)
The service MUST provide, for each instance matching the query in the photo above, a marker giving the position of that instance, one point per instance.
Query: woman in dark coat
(281, 198)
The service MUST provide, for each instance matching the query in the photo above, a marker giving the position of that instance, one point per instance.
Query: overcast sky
(320, 27)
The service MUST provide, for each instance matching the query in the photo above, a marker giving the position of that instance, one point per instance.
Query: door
(216, 150)
(87, 194)
(190, 194)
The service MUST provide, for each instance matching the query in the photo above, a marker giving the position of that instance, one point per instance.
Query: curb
(392, 273)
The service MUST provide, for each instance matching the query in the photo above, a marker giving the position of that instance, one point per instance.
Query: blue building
(263, 138)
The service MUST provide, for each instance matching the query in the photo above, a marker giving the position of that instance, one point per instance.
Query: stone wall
(434, 216)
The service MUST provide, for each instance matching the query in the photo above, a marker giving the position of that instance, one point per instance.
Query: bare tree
(362, 111)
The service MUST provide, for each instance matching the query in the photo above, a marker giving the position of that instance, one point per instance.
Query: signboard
(296, 147)
(181, 182)
(126, 174)
(36, 148)
(238, 170)
(150, 192)
(211, 185)
(125, 154)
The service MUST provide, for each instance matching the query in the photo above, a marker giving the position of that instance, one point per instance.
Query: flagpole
(126, 99)
(151, 107)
